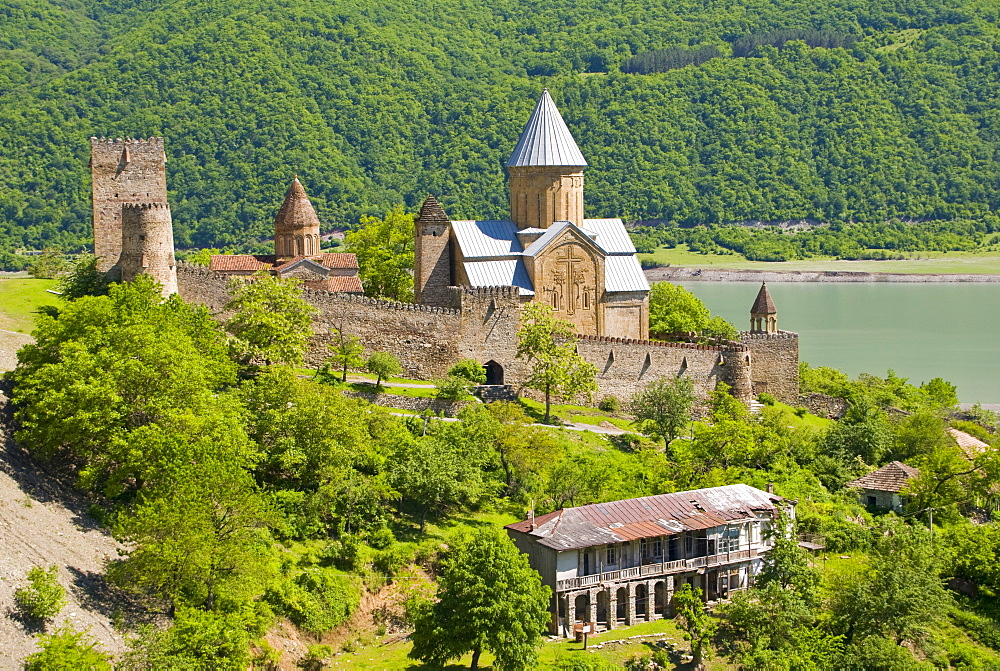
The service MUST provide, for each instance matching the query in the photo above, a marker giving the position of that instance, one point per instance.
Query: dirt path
(43, 523)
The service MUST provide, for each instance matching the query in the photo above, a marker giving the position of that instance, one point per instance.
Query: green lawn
(982, 263)
(392, 656)
(20, 298)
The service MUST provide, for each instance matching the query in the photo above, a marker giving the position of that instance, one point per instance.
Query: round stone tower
(148, 244)
(296, 228)
(546, 171)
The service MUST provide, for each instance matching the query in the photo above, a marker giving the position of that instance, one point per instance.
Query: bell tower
(763, 314)
(296, 227)
(546, 171)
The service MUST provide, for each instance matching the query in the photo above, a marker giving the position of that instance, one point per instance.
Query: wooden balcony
(662, 568)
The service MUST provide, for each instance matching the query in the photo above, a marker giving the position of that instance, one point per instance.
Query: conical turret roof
(432, 212)
(763, 304)
(297, 211)
(546, 140)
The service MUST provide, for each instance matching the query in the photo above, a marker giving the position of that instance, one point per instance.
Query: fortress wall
(624, 366)
(424, 339)
(775, 364)
(491, 318)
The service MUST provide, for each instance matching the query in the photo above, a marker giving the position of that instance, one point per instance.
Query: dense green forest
(380, 103)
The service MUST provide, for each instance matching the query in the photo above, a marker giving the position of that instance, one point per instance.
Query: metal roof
(648, 517)
(623, 273)
(611, 235)
(489, 239)
(500, 273)
(546, 140)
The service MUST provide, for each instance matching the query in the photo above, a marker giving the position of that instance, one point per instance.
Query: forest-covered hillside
(378, 103)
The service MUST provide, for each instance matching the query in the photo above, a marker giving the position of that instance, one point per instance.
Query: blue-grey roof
(611, 235)
(623, 273)
(500, 273)
(546, 140)
(479, 239)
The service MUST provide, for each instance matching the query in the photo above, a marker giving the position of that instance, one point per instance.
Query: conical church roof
(763, 304)
(546, 140)
(296, 212)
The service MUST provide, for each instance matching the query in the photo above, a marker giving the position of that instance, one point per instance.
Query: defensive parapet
(147, 244)
(775, 359)
(122, 171)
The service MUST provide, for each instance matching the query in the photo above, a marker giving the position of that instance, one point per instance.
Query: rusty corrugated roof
(648, 516)
(889, 478)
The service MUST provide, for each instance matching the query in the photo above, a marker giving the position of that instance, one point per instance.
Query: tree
(663, 407)
(48, 265)
(384, 248)
(489, 598)
(383, 366)
(83, 279)
(67, 649)
(43, 597)
(433, 476)
(786, 564)
(347, 352)
(698, 625)
(549, 347)
(469, 369)
(462, 377)
(270, 323)
(674, 309)
(201, 535)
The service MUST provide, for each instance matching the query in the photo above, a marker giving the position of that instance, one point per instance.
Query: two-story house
(620, 562)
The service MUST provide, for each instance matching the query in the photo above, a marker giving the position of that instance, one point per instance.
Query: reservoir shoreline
(684, 274)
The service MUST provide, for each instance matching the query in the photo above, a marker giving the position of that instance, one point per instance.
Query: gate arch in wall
(494, 372)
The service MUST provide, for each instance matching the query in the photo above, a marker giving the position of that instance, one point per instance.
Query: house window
(730, 539)
(651, 549)
(611, 559)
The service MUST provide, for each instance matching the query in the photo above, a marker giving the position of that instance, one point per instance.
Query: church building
(586, 269)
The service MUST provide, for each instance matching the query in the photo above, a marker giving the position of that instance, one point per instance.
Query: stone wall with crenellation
(482, 324)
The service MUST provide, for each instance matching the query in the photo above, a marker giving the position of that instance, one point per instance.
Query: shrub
(468, 369)
(389, 561)
(67, 649)
(316, 600)
(344, 553)
(609, 404)
(765, 398)
(801, 411)
(452, 388)
(316, 657)
(44, 597)
(381, 538)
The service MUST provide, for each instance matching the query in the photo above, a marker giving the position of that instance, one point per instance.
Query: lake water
(921, 331)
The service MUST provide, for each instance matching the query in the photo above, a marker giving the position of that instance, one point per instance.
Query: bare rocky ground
(43, 522)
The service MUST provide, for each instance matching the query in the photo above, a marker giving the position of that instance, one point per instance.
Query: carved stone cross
(567, 261)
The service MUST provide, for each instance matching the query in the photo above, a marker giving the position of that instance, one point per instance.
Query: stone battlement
(127, 140)
(312, 294)
(145, 206)
(506, 292)
(780, 335)
(723, 346)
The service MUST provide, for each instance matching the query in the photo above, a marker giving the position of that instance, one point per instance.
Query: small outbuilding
(880, 489)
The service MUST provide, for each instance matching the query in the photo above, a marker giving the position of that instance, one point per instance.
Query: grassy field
(980, 263)
(20, 298)
(392, 656)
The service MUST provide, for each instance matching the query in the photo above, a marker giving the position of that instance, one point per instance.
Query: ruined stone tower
(546, 171)
(763, 314)
(432, 255)
(147, 244)
(296, 228)
(122, 171)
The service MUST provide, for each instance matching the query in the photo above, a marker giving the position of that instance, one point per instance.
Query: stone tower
(122, 171)
(432, 255)
(763, 314)
(546, 171)
(147, 244)
(296, 228)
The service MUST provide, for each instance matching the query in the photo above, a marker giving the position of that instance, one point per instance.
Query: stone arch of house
(621, 605)
(603, 606)
(660, 598)
(582, 607)
(641, 601)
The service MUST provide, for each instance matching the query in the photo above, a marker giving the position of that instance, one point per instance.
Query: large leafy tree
(548, 345)
(697, 625)
(489, 598)
(663, 407)
(107, 367)
(385, 254)
(674, 309)
(270, 321)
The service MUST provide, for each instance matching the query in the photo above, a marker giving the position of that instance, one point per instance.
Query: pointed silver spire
(546, 140)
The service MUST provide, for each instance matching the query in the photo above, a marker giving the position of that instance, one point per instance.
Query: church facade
(586, 269)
